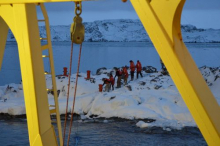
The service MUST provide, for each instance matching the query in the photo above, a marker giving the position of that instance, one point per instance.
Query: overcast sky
(201, 13)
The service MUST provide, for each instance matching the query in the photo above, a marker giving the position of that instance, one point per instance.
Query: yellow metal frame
(22, 20)
(161, 19)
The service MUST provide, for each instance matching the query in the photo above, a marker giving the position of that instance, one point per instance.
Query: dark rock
(6, 116)
(157, 87)
(216, 77)
(149, 69)
(129, 87)
(112, 98)
(142, 83)
(58, 93)
(51, 92)
(153, 80)
(92, 80)
(165, 73)
(100, 71)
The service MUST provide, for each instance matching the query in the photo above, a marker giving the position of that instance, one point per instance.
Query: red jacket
(132, 66)
(106, 81)
(138, 66)
(112, 80)
(125, 72)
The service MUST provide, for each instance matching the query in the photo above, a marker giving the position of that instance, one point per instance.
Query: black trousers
(132, 75)
(112, 86)
(139, 72)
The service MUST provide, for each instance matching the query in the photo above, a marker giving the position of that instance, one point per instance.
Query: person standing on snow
(132, 68)
(139, 68)
(108, 84)
(118, 74)
(125, 73)
(112, 80)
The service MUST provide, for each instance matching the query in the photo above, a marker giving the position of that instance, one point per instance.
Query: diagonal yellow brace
(161, 19)
(3, 38)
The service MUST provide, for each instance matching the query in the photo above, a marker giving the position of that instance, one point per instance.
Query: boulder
(129, 87)
(100, 71)
(208, 74)
(149, 69)
(142, 83)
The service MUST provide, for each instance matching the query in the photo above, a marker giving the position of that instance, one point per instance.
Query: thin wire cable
(67, 99)
(71, 121)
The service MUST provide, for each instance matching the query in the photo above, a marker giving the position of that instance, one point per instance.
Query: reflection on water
(106, 134)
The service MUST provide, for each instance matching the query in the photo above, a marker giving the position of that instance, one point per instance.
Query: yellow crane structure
(160, 18)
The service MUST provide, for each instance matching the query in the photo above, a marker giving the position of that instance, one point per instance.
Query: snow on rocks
(152, 97)
(142, 124)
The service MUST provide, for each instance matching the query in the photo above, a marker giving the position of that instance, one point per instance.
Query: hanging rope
(77, 32)
(68, 91)
(77, 74)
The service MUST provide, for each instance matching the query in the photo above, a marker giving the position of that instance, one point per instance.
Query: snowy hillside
(126, 30)
(152, 97)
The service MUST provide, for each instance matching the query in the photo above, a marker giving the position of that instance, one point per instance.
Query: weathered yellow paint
(161, 19)
(22, 20)
(3, 38)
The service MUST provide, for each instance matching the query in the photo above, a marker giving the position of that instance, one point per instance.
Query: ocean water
(104, 54)
(114, 133)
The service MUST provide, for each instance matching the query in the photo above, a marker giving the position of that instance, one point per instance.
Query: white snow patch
(142, 124)
(164, 105)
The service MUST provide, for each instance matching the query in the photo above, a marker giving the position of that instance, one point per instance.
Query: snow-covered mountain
(126, 30)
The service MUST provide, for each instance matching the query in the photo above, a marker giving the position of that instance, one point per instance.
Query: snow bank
(152, 97)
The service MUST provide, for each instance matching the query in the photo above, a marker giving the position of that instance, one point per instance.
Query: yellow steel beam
(3, 38)
(35, 1)
(161, 19)
(22, 20)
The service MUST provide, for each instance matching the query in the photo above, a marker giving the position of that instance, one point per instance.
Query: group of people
(122, 74)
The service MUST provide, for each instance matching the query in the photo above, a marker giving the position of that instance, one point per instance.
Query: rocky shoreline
(189, 130)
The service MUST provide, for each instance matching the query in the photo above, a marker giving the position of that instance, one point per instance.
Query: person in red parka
(112, 80)
(107, 84)
(125, 73)
(132, 68)
(118, 74)
(139, 68)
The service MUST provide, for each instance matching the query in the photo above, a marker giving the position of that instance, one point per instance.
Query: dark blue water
(104, 54)
(14, 133)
